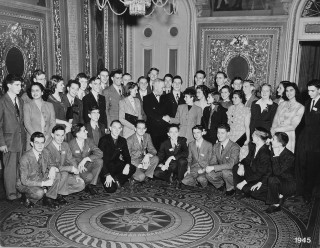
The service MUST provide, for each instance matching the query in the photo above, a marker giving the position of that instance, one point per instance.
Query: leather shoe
(50, 203)
(89, 189)
(60, 199)
(240, 196)
(178, 185)
(221, 189)
(230, 192)
(28, 204)
(273, 209)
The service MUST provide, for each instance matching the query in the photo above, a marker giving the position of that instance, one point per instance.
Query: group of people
(58, 139)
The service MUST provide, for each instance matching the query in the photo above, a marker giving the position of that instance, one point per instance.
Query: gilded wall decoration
(311, 9)
(106, 37)
(23, 38)
(122, 45)
(57, 36)
(86, 31)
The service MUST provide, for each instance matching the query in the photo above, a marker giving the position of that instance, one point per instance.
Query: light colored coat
(125, 107)
(200, 157)
(112, 103)
(228, 158)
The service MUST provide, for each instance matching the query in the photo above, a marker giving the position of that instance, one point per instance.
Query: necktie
(97, 100)
(211, 112)
(198, 149)
(312, 105)
(59, 149)
(177, 97)
(16, 106)
(222, 149)
(71, 102)
(40, 159)
(120, 92)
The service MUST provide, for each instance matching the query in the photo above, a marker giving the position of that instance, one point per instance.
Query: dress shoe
(50, 203)
(240, 196)
(132, 184)
(273, 209)
(60, 199)
(27, 203)
(178, 185)
(221, 189)
(89, 189)
(230, 192)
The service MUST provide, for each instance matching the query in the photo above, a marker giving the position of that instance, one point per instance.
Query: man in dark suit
(142, 92)
(12, 133)
(173, 156)
(251, 175)
(282, 183)
(87, 155)
(157, 120)
(225, 156)
(36, 172)
(167, 79)
(94, 99)
(142, 152)
(95, 128)
(213, 116)
(115, 172)
(61, 154)
(199, 79)
(308, 145)
(171, 100)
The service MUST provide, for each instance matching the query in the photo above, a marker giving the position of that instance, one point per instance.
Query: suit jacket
(112, 152)
(170, 104)
(89, 150)
(112, 102)
(89, 101)
(32, 119)
(263, 119)
(251, 100)
(228, 158)
(166, 150)
(64, 160)
(154, 111)
(260, 165)
(102, 130)
(200, 157)
(125, 107)
(30, 172)
(218, 116)
(12, 132)
(187, 119)
(77, 108)
(283, 165)
(144, 116)
(137, 151)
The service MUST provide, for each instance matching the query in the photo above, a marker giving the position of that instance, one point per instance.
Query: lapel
(173, 99)
(93, 99)
(33, 157)
(12, 108)
(155, 99)
(128, 103)
(226, 149)
(85, 149)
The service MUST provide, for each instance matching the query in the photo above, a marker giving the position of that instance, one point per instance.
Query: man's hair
(168, 75)
(223, 73)
(129, 86)
(191, 92)
(94, 107)
(92, 79)
(54, 80)
(236, 78)
(116, 121)
(177, 77)
(173, 126)
(142, 77)
(126, 74)
(153, 69)
(315, 83)
(37, 135)
(282, 137)
(76, 128)
(114, 72)
(224, 126)
(10, 79)
(199, 127)
(36, 73)
(57, 128)
(140, 122)
(81, 75)
(71, 81)
(213, 92)
(200, 72)
(262, 133)
(103, 69)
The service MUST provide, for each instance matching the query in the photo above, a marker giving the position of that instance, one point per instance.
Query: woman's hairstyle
(236, 78)
(129, 86)
(37, 84)
(282, 137)
(283, 83)
(53, 82)
(294, 86)
(191, 92)
(204, 89)
(228, 88)
(240, 94)
(268, 85)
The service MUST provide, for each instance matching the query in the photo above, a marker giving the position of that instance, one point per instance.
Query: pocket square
(171, 149)
(77, 151)
(63, 152)
(202, 154)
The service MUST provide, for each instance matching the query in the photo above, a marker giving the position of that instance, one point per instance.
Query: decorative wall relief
(18, 49)
(86, 31)
(57, 36)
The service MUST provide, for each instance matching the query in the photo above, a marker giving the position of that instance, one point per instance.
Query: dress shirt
(95, 94)
(224, 144)
(94, 125)
(118, 89)
(37, 154)
(199, 143)
(81, 94)
(80, 144)
(13, 98)
(140, 139)
(143, 93)
(57, 146)
(71, 99)
(157, 96)
(315, 102)
(174, 143)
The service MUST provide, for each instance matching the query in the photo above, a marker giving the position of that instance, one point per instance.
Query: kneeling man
(225, 156)
(61, 154)
(200, 156)
(142, 152)
(87, 155)
(38, 177)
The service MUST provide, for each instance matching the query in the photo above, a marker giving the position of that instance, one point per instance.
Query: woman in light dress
(288, 115)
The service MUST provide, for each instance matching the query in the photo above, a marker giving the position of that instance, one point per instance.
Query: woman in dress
(129, 109)
(263, 110)
(281, 94)
(239, 119)
(225, 96)
(202, 94)
(56, 85)
(39, 116)
(288, 115)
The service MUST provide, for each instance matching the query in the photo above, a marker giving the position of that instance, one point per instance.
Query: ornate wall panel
(262, 53)
(22, 33)
(86, 25)
(57, 36)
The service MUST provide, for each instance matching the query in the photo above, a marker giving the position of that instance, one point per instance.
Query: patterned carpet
(157, 215)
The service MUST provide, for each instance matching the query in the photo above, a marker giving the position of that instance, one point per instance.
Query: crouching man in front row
(38, 177)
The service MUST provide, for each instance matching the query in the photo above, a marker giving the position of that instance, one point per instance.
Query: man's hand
(209, 168)
(240, 185)
(109, 181)
(82, 164)
(47, 183)
(163, 167)
(166, 118)
(187, 172)
(52, 173)
(200, 171)
(126, 169)
(240, 170)
(146, 161)
(256, 186)
(3, 149)
(74, 170)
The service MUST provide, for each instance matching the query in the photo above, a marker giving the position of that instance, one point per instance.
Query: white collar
(316, 99)
(117, 88)
(56, 145)
(37, 154)
(95, 94)
(12, 97)
(93, 125)
(224, 143)
(199, 142)
(260, 102)
(139, 137)
(70, 98)
(174, 142)
(80, 143)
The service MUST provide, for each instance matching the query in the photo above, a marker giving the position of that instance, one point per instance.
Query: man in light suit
(61, 154)
(113, 94)
(37, 171)
(225, 156)
(95, 129)
(87, 155)
(188, 115)
(12, 133)
(142, 152)
(200, 156)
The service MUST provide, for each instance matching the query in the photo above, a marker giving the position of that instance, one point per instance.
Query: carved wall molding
(106, 37)
(286, 5)
(57, 36)
(87, 42)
